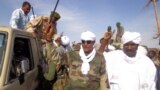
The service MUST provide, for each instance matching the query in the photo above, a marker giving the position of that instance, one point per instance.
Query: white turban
(131, 36)
(65, 40)
(88, 35)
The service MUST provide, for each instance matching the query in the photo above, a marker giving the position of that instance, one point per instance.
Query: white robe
(130, 75)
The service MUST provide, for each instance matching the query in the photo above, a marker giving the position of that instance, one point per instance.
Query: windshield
(2, 47)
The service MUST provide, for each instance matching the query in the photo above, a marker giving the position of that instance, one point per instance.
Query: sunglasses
(87, 41)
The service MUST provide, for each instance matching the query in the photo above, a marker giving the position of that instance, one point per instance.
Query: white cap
(131, 36)
(65, 40)
(88, 35)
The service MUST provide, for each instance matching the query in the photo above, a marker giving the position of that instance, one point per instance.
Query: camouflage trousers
(60, 83)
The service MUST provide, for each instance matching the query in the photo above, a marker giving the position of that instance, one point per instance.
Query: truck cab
(16, 74)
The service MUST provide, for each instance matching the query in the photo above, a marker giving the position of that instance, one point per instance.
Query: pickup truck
(27, 80)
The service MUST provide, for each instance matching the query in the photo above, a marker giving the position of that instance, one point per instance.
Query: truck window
(2, 47)
(22, 61)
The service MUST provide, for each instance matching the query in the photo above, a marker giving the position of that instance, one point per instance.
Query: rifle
(49, 33)
(54, 10)
(33, 12)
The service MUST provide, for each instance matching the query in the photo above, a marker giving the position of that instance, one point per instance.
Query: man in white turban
(87, 66)
(65, 41)
(129, 70)
(62, 43)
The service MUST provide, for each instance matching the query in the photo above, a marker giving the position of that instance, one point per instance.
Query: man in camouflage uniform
(62, 73)
(120, 31)
(87, 66)
(53, 61)
(44, 28)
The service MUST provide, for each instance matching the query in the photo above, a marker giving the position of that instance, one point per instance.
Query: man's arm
(51, 72)
(105, 41)
(53, 58)
(104, 83)
(14, 18)
(153, 78)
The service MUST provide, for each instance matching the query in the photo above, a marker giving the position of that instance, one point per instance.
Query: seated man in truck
(20, 62)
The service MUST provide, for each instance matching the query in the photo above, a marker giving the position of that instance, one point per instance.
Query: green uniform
(53, 60)
(96, 79)
(57, 72)
(120, 31)
(62, 73)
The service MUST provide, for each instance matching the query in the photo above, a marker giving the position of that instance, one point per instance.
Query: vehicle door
(22, 70)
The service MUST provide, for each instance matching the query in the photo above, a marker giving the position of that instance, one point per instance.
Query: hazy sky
(94, 15)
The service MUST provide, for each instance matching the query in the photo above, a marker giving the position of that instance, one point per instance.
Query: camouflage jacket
(53, 61)
(96, 79)
(38, 26)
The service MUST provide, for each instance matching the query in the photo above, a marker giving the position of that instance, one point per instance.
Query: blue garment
(19, 19)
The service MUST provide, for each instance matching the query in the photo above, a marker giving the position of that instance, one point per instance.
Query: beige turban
(56, 36)
(131, 36)
(88, 35)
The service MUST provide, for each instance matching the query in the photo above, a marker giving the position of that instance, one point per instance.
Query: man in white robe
(129, 70)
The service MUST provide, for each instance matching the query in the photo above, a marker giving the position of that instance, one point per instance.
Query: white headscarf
(131, 36)
(88, 35)
(86, 59)
(65, 40)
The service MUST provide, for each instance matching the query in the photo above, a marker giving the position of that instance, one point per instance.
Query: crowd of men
(84, 66)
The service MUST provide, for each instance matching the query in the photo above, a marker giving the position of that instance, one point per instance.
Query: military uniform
(120, 31)
(61, 79)
(62, 73)
(52, 58)
(43, 27)
(38, 26)
(57, 72)
(96, 79)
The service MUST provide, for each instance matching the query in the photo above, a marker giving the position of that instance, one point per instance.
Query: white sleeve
(14, 18)
(109, 63)
(153, 79)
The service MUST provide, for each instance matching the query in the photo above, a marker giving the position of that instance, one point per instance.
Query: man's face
(151, 54)
(130, 49)
(87, 46)
(53, 20)
(58, 40)
(26, 9)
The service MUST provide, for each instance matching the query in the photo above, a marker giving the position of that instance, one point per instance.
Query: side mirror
(21, 78)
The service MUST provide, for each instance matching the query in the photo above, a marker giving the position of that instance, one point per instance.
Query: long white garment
(18, 19)
(126, 73)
